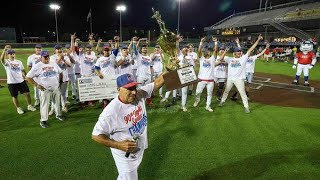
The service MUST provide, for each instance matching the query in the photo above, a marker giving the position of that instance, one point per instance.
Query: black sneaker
(234, 98)
(60, 118)
(174, 101)
(190, 92)
(44, 124)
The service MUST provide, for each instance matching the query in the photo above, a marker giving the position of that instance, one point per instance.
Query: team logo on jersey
(235, 64)
(105, 64)
(15, 67)
(206, 64)
(48, 72)
(138, 120)
(88, 62)
(146, 61)
(62, 65)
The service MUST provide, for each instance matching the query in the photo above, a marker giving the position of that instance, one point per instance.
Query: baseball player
(122, 125)
(236, 74)
(15, 78)
(306, 59)
(206, 72)
(71, 72)
(33, 60)
(157, 58)
(124, 61)
(194, 58)
(48, 75)
(144, 63)
(184, 61)
(220, 72)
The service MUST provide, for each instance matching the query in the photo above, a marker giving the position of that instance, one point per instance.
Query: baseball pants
(174, 94)
(73, 82)
(45, 97)
(184, 92)
(304, 68)
(201, 85)
(239, 83)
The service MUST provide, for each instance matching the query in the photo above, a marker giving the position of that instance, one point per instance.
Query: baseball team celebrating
(122, 125)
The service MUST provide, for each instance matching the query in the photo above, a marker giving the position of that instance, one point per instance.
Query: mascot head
(306, 46)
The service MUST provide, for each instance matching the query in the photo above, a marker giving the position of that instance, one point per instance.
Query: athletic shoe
(161, 96)
(306, 83)
(174, 101)
(51, 112)
(44, 124)
(218, 99)
(37, 102)
(91, 104)
(247, 110)
(73, 97)
(67, 102)
(65, 109)
(19, 110)
(60, 118)
(195, 104)
(234, 98)
(221, 104)
(296, 82)
(164, 100)
(209, 109)
(184, 109)
(31, 108)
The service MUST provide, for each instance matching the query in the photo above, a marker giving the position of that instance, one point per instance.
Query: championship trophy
(177, 76)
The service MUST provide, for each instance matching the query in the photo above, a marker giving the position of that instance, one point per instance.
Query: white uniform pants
(63, 91)
(156, 75)
(174, 94)
(143, 81)
(36, 93)
(201, 85)
(184, 92)
(77, 76)
(239, 83)
(133, 175)
(304, 68)
(45, 98)
(73, 82)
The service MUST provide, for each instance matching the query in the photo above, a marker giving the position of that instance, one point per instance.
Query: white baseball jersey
(121, 122)
(33, 60)
(193, 56)
(47, 74)
(221, 71)
(87, 64)
(134, 58)
(206, 70)
(157, 63)
(237, 67)
(184, 60)
(107, 65)
(71, 68)
(251, 63)
(78, 58)
(14, 71)
(144, 63)
(126, 66)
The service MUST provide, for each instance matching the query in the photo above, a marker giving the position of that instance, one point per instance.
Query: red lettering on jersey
(135, 116)
(305, 58)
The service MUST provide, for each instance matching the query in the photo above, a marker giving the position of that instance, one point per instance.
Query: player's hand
(127, 146)
(90, 36)
(310, 67)
(7, 47)
(41, 87)
(73, 36)
(100, 40)
(267, 45)
(294, 67)
(237, 41)
(203, 39)
(116, 38)
(260, 37)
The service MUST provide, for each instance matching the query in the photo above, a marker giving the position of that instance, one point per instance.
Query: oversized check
(94, 88)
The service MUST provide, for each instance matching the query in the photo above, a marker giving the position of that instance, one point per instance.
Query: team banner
(94, 88)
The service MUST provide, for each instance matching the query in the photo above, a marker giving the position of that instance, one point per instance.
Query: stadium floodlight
(121, 8)
(56, 7)
(178, 27)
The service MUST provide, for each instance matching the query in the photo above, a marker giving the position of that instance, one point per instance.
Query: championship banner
(94, 88)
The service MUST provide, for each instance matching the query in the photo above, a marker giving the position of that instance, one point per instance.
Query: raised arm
(221, 60)
(264, 50)
(238, 42)
(215, 47)
(98, 43)
(158, 82)
(255, 44)
(4, 52)
(200, 47)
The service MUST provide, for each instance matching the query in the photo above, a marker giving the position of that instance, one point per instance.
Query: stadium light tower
(121, 8)
(56, 7)
(178, 27)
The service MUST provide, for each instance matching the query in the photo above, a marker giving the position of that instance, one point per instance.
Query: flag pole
(91, 24)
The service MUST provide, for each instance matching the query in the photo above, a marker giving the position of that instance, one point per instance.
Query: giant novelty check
(94, 88)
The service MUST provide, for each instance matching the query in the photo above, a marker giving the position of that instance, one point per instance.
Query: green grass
(270, 143)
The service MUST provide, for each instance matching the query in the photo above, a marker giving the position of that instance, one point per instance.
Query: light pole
(121, 8)
(179, 4)
(56, 7)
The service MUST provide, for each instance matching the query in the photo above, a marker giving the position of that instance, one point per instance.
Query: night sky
(36, 18)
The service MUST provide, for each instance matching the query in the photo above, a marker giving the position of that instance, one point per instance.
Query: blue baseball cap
(11, 51)
(44, 53)
(237, 49)
(126, 81)
(57, 46)
(222, 48)
(38, 46)
(67, 46)
(123, 46)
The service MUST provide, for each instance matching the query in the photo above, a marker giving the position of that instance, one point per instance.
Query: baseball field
(279, 139)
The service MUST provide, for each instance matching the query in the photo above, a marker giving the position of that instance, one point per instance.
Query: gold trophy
(169, 42)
